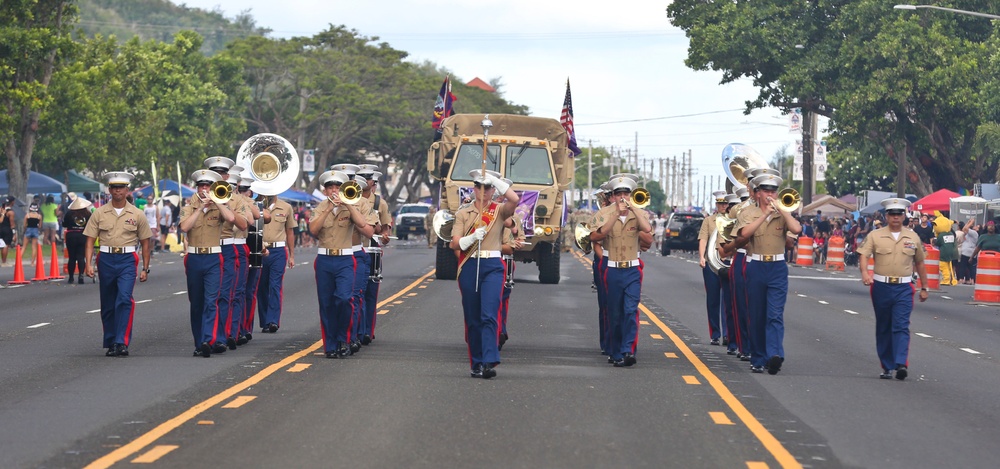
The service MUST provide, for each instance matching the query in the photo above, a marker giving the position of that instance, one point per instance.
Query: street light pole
(953, 10)
(590, 171)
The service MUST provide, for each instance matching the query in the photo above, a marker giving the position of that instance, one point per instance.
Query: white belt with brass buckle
(623, 264)
(485, 254)
(211, 250)
(767, 257)
(894, 280)
(335, 252)
(276, 244)
(228, 241)
(118, 249)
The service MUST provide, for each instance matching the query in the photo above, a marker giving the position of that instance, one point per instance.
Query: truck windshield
(528, 165)
(470, 156)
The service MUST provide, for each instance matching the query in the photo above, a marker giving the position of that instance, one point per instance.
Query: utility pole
(590, 171)
(690, 175)
(673, 180)
(808, 170)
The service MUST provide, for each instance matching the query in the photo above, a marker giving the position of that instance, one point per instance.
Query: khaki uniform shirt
(468, 216)
(114, 230)
(240, 205)
(893, 258)
(371, 217)
(338, 229)
(508, 234)
(769, 239)
(622, 242)
(707, 227)
(207, 231)
(381, 213)
(281, 221)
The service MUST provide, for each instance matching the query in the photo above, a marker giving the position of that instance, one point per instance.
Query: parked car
(682, 232)
(410, 220)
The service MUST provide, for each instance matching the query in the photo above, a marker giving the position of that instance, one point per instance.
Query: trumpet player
(333, 224)
(202, 220)
(372, 175)
(477, 233)
(237, 306)
(231, 246)
(713, 284)
(764, 228)
(362, 274)
(622, 228)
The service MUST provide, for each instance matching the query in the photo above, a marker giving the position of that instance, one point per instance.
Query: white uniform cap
(205, 175)
(333, 177)
(375, 176)
(221, 162)
(732, 198)
(79, 203)
(742, 192)
(361, 182)
(477, 177)
(367, 168)
(631, 176)
(622, 181)
(895, 203)
(719, 196)
(346, 168)
(234, 178)
(245, 182)
(118, 177)
(767, 179)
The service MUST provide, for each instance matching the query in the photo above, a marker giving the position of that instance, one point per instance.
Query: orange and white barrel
(932, 261)
(804, 252)
(988, 277)
(835, 254)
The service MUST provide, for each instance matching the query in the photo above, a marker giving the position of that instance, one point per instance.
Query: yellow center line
(382, 311)
(691, 379)
(670, 354)
(780, 453)
(756, 465)
(656, 336)
(156, 453)
(720, 418)
(299, 367)
(164, 428)
(238, 402)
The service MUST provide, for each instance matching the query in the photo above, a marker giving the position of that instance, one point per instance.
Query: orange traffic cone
(18, 270)
(39, 265)
(65, 268)
(54, 268)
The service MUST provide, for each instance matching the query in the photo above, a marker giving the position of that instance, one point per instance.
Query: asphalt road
(407, 399)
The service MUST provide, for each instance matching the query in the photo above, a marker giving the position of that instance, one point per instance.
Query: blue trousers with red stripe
(739, 285)
(769, 283)
(250, 300)
(600, 271)
(334, 286)
(118, 274)
(482, 309)
(371, 301)
(238, 305)
(204, 276)
(713, 301)
(227, 290)
(728, 304)
(505, 298)
(358, 316)
(624, 288)
(270, 289)
(893, 304)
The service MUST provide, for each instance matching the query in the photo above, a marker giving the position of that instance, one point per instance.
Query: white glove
(498, 183)
(466, 241)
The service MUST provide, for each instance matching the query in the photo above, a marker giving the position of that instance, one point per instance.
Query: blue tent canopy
(167, 185)
(38, 183)
(295, 195)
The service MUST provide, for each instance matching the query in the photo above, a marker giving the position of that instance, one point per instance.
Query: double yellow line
(164, 428)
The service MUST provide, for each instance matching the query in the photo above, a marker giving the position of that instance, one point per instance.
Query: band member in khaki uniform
(477, 233)
(202, 220)
(374, 249)
(600, 268)
(897, 252)
(763, 227)
(361, 274)
(333, 224)
(231, 247)
(119, 226)
(279, 241)
(237, 306)
(713, 285)
(255, 253)
(621, 227)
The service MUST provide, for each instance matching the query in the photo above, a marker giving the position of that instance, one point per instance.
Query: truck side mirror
(432, 159)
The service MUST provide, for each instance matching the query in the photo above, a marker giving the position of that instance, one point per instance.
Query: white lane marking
(946, 297)
(802, 296)
(971, 351)
(41, 324)
(168, 263)
(93, 311)
(850, 312)
(181, 292)
(846, 279)
(823, 302)
(142, 301)
(926, 336)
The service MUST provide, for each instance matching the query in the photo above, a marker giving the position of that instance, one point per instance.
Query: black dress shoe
(619, 363)
(241, 340)
(70, 279)
(272, 328)
(901, 372)
(343, 351)
(80, 280)
(886, 374)
(477, 371)
(725, 341)
(366, 339)
(219, 347)
(249, 336)
(774, 365)
(610, 360)
(756, 369)
(206, 349)
(730, 352)
(355, 347)
(121, 349)
(112, 351)
(503, 340)
(715, 342)
(629, 359)
(745, 357)
(489, 371)
(231, 343)
(332, 354)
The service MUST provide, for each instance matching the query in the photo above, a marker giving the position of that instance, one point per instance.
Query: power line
(660, 118)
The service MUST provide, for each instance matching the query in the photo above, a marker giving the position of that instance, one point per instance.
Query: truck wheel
(665, 248)
(548, 262)
(447, 263)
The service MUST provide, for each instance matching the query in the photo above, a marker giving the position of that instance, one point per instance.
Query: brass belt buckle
(768, 258)
(118, 250)
(893, 279)
(204, 250)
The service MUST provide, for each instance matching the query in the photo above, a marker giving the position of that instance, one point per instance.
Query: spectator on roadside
(822, 224)
(32, 231)
(50, 219)
(149, 210)
(925, 230)
(967, 238)
(8, 228)
(988, 241)
(165, 220)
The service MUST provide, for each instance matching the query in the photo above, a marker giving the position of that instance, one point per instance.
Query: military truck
(532, 152)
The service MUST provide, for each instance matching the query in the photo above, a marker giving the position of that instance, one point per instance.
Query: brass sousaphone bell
(271, 162)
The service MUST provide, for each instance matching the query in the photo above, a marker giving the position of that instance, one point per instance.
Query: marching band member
(477, 234)
(713, 286)
(729, 293)
(202, 220)
(767, 273)
(372, 175)
(897, 252)
(230, 255)
(513, 239)
(622, 227)
(119, 226)
(253, 272)
(279, 243)
(333, 224)
(363, 272)
(600, 266)
(237, 307)
(737, 272)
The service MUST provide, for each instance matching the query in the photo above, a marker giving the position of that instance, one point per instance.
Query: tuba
(273, 163)
(582, 238)
(737, 158)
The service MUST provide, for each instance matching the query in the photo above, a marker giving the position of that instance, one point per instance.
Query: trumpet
(220, 192)
(789, 200)
(640, 197)
(350, 192)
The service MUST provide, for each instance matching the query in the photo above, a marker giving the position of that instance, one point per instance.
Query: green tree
(34, 39)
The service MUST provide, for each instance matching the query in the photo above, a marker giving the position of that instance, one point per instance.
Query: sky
(624, 59)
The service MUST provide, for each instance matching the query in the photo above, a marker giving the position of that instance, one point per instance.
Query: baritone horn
(581, 235)
(640, 197)
(789, 199)
(220, 192)
(443, 222)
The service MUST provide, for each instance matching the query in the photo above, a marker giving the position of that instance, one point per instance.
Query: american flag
(566, 119)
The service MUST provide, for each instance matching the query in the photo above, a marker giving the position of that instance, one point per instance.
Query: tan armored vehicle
(530, 151)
